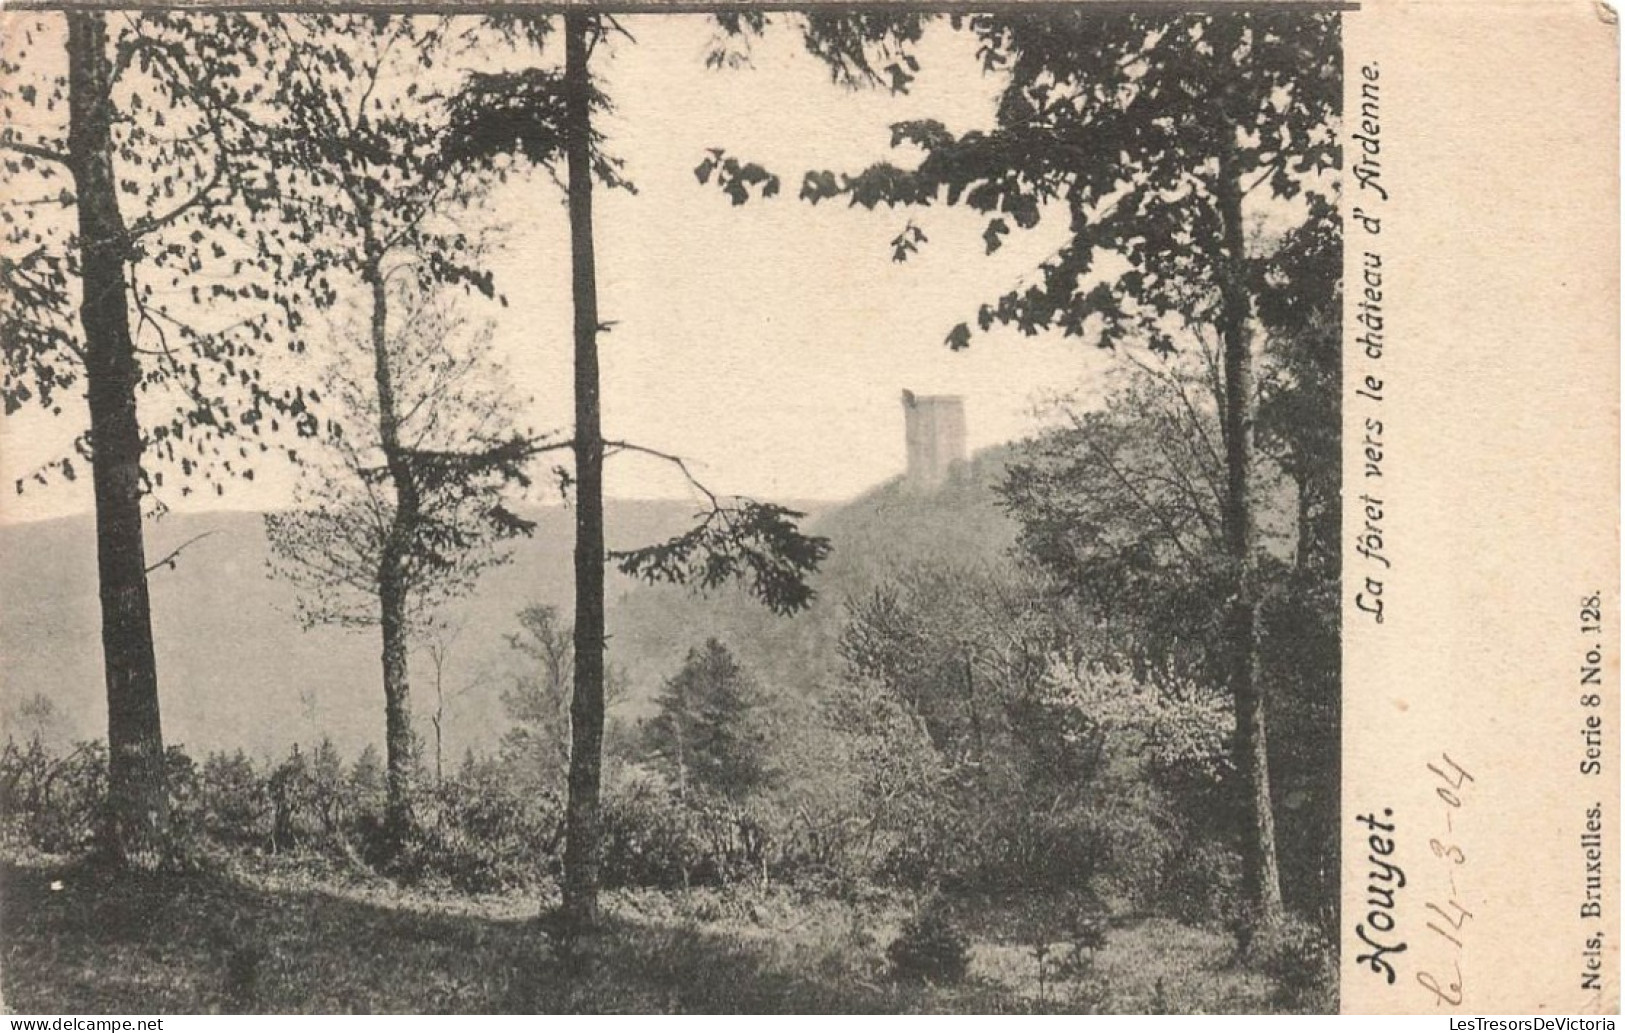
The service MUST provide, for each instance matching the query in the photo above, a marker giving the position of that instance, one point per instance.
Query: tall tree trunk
(398, 741)
(138, 802)
(581, 844)
(392, 576)
(1260, 868)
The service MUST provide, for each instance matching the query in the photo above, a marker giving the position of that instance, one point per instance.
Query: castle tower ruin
(934, 427)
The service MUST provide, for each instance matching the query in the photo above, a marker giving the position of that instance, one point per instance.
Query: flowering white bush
(1170, 722)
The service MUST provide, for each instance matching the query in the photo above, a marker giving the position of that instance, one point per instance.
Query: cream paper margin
(1499, 496)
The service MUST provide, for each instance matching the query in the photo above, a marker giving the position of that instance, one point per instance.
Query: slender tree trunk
(581, 844)
(679, 733)
(138, 802)
(399, 745)
(974, 714)
(1306, 537)
(439, 738)
(1260, 868)
(439, 651)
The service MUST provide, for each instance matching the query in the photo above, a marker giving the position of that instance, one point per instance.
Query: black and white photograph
(611, 510)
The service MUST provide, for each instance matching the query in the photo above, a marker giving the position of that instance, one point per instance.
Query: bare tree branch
(157, 222)
(35, 151)
(612, 447)
(174, 554)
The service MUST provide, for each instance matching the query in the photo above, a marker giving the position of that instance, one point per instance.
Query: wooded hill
(237, 671)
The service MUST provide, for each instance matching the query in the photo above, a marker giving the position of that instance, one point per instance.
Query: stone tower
(935, 431)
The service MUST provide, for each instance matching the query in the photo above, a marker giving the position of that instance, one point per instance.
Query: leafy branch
(737, 538)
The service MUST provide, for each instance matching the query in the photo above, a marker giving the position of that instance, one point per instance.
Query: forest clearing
(285, 939)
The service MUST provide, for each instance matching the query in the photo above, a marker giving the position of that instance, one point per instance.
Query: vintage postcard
(797, 508)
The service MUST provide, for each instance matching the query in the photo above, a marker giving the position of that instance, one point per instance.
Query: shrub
(52, 803)
(649, 839)
(479, 837)
(1203, 885)
(186, 847)
(1301, 962)
(234, 801)
(654, 837)
(930, 948)
(1132, 833)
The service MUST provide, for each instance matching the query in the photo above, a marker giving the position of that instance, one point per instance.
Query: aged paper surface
(1493, 487)
(755, 347)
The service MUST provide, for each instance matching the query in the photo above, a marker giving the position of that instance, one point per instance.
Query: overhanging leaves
(757, 543)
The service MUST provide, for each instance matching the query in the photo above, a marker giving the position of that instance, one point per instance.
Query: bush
(1202, 885)
(477, 833)
(52, 803)
(652, 837)
(976, 831)
(234, 802)
(931, 948)
(478, 837)
(649, 839)
(1302, 963)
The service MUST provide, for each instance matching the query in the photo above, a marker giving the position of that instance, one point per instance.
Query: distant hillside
(873, 536)
(236, 670)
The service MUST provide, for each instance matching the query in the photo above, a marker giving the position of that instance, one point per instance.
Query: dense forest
(1056, 730)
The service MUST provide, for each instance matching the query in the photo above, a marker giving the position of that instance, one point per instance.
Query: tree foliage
(207, 299)
(712, 731)
(758, 543)
(461, 453)
(499, 116)
(364, 197)
(1150, 133)
(537, 746)
(356, 165)
(535, 750)
(1125, 124)
(859, 48)
(1122, 505)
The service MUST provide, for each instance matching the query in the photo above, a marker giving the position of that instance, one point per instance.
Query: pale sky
(767, 343)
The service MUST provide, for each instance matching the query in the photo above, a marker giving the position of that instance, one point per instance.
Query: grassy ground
(276, 937)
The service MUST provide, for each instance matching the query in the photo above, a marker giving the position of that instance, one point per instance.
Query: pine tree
(711, 734)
